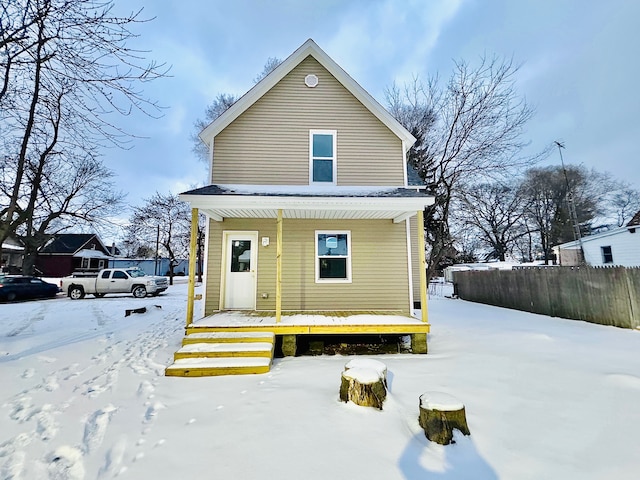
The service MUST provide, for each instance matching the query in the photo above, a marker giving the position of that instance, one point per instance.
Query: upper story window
(322, 156)
(607, 254)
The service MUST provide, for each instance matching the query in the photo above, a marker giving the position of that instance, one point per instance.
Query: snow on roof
(10, 246)
(90, 253)
(310, 191)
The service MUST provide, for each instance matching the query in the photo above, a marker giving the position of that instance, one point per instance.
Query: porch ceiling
(367, 207)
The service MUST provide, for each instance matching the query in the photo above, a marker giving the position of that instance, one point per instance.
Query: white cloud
(393, 36)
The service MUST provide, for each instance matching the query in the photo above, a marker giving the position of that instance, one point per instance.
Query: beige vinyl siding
(268, 144)
(266, 268)
(378, 256)
(214, 259)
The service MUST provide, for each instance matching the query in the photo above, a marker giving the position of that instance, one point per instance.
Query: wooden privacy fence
(604, 295)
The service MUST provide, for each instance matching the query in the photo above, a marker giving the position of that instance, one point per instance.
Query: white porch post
(423, 267)
(192, 265)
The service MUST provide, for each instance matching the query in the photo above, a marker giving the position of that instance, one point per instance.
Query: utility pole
(155, 272)
(577, 235)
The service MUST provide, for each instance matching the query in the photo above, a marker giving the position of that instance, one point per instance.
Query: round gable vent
(311, 80)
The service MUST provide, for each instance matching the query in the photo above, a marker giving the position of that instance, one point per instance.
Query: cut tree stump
(363, 386)
(440, 413)
(379, 367)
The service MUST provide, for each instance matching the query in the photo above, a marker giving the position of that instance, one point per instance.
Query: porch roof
(308, 202)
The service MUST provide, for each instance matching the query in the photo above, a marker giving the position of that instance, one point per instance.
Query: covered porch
(286, 217)
(241, 326)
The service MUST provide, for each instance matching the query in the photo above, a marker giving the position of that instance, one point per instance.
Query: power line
(577, 235)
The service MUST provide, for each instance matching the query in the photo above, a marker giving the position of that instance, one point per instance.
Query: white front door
(241, 261)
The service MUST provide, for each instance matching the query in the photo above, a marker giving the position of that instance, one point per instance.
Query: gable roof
(70, 243)
(635, 220)
(263, 86)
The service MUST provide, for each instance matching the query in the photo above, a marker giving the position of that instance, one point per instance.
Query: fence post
(634, 308)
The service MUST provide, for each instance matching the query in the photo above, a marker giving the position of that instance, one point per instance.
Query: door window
(240, 255)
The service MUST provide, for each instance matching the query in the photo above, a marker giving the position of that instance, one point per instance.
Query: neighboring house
(310, 218)
(152, 267)
(619, 246)
(11, 256)
(69, 252)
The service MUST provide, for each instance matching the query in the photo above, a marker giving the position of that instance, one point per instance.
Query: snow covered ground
(83, 396)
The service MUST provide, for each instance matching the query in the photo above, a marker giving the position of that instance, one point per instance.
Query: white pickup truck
(114, 280)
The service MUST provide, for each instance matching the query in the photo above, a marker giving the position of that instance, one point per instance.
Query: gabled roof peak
(263, 86)
(635, 221)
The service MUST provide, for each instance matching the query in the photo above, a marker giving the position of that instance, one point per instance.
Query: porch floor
(316, 322)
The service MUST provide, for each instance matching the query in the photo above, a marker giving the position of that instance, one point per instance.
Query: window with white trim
(333, 256)
(322, 156)
(607, 254)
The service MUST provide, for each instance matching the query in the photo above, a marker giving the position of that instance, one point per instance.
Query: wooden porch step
(205, 367)
(225, 349)
(229, 337)
(206, 354)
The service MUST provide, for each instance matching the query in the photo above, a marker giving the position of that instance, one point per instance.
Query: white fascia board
(97, 239)
(211, 214)
(268, 82)
(591, 238)
(214, 202)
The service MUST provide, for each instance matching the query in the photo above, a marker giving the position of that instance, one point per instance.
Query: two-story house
(311, 226)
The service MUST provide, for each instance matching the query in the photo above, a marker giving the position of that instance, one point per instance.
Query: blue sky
(579, 67)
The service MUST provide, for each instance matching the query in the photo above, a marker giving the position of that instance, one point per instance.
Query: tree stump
(363, 386)
(379, 367)
(440, 413)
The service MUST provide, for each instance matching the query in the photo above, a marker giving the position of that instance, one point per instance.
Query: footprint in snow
(13, 445)
(14, 466)
(51, 383)
(28, 373)
(152, 412)
(113, 459)
(47, 427)
(145, 389)
(65, 463)
(95, 428)
(21, 409)
(44, 359)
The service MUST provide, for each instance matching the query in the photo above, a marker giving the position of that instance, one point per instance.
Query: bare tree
(546, 189)
(270, 65)
(472, 130)
(67, 72)
(220, 104)
(618, 201)
(625, 201)
(165, 218)
(496, 212)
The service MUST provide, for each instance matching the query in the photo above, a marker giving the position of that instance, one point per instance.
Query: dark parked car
(21, 288)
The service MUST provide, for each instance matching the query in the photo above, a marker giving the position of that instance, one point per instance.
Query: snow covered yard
(83, 396)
